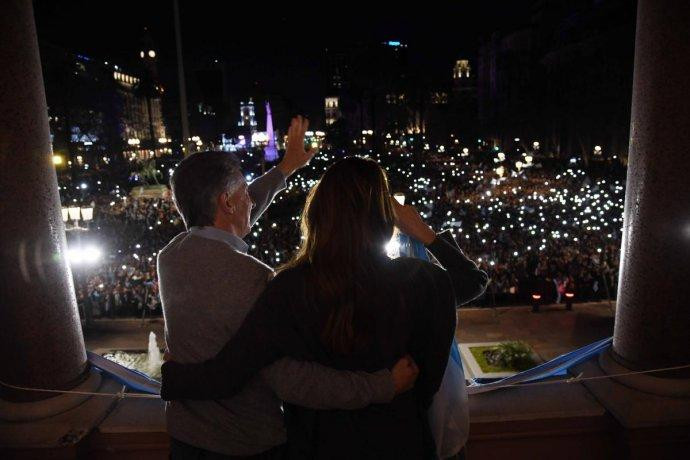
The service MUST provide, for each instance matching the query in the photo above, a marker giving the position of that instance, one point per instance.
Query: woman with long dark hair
(342, 302)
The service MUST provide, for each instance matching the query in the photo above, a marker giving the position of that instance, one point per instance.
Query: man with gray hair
(208, 284)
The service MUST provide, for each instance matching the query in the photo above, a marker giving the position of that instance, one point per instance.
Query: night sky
(273, 49)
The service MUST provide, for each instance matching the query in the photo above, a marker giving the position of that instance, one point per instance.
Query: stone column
(652, 328)
(41, 343)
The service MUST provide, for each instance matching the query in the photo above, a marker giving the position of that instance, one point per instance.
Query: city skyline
(397, 74)
(281, 52)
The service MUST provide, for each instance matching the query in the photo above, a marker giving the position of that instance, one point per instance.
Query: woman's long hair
(347, 220)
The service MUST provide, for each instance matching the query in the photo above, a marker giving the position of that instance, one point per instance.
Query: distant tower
(332, 109)
(270, 151)
(247, 116)
(148, 56)
(461, 69)
(149, 90)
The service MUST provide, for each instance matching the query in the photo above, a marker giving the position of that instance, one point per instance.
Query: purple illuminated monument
(270, 151)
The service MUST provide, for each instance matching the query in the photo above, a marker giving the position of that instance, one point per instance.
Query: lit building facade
(461, 69)
(142, 115)
(99, 111)
(248, 116)
(332, 109)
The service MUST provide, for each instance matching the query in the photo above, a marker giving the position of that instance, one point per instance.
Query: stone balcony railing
(564, 421)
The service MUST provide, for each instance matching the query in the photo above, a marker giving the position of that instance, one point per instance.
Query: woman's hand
(408, 221)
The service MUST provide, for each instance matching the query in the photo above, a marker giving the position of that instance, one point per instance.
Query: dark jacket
(411, 309)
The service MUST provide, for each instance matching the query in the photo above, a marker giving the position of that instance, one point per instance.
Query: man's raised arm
(265, 188)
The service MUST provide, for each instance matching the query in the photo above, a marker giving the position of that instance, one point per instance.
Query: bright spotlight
(393, 248)
(87, 255)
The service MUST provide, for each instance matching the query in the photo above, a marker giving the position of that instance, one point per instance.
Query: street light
(87, 214)
(73, 213)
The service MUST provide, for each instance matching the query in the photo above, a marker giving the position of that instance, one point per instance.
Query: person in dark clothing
(343, 303)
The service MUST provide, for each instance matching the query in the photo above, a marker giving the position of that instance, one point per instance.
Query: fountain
(148, 362)
(153, 357)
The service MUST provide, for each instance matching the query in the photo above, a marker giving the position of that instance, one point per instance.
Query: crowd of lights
(499, 209)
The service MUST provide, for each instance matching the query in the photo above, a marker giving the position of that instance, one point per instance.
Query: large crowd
(547, 226)
(130, 232)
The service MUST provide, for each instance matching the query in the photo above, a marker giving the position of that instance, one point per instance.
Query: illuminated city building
(98, 109)
(248, 116)
(332, 109)
(461, 69)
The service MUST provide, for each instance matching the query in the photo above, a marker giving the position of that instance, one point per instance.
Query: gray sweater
(208, 284)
